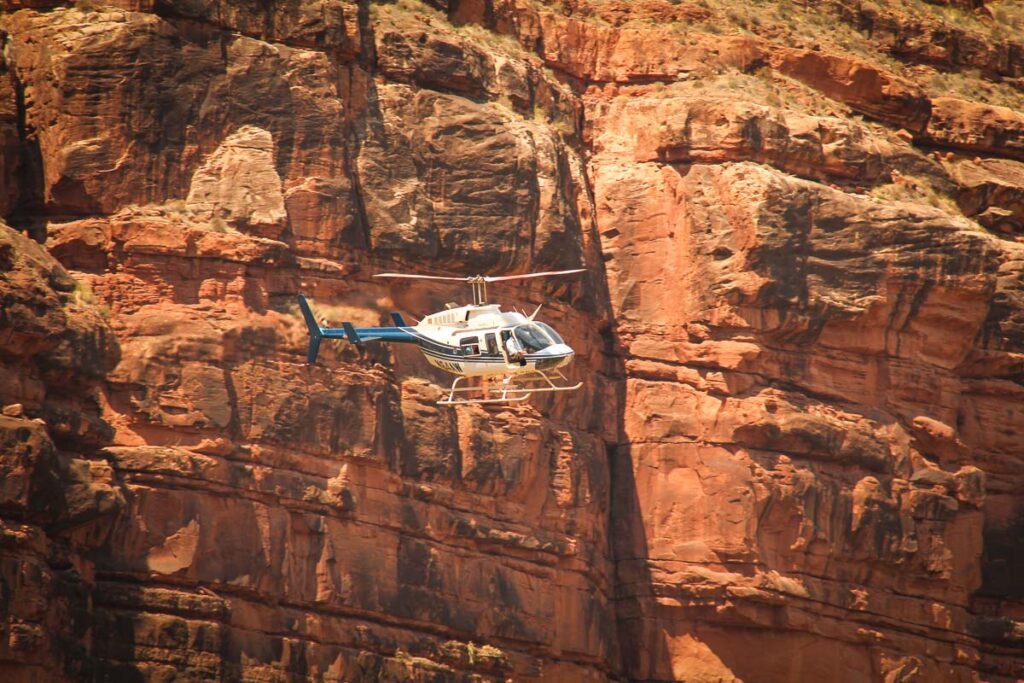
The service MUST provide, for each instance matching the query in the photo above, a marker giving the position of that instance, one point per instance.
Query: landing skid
(507, 392)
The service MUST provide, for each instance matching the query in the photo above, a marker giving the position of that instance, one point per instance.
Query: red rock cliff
(800, 450)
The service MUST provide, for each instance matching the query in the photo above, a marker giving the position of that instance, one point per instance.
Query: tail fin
(315, 335)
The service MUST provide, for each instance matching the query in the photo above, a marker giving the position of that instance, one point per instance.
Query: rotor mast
(479, 285)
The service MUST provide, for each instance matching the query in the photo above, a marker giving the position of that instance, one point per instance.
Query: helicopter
(475, 340)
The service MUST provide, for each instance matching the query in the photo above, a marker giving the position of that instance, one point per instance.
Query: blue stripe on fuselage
(432, 347)
(455, 357)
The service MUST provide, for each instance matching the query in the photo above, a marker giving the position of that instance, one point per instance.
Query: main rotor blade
(500, 278)
(422, 277)
(485, 278)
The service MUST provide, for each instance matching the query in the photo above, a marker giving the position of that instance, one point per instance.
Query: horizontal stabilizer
(351, 333)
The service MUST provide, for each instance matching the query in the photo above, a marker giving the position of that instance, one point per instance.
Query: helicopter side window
(492, 344)
(470, 346)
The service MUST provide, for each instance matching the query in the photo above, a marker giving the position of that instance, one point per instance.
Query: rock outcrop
(57, 493)
(997, 131)
(801, 332)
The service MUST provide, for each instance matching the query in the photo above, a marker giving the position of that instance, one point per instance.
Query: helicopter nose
(557, 355)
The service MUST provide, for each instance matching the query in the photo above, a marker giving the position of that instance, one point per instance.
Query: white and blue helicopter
(477, 340)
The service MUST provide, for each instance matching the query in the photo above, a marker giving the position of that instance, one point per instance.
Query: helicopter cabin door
(503, 336)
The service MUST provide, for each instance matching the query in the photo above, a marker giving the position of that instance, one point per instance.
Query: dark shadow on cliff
(641, 640)
(642, 649)
(370, 115)
(28, 204)
(1003, 561)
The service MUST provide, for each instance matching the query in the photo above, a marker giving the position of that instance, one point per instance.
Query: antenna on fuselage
(479, 282)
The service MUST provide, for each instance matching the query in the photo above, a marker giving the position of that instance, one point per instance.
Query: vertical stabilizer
(315, 334)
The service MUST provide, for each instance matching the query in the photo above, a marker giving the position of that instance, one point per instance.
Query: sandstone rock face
(782, 531)
(697, 128)
(863, 86)
(952, 45)
(58, 494)
(991, 191)
(495, 197)
(239, 184)
(970, 126)
(801, 332)
(328, 25)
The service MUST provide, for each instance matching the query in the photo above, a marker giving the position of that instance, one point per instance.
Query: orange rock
(863, 86)
(56, 490)
(992, 191)
(239, 184)
(690, 128)
(443, 214)
(950, 43)
(976, 127)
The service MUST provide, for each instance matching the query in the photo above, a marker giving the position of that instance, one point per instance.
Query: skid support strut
(513, 389)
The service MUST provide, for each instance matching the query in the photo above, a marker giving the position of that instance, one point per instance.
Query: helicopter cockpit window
(470, 346)
(533, 337)
(555, 337)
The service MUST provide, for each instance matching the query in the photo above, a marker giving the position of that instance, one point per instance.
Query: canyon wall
(799, 452)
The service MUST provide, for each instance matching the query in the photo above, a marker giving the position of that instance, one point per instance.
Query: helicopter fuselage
(473, 341)
(468, 341)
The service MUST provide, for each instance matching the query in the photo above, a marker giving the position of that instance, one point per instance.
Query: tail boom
(348, 331)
